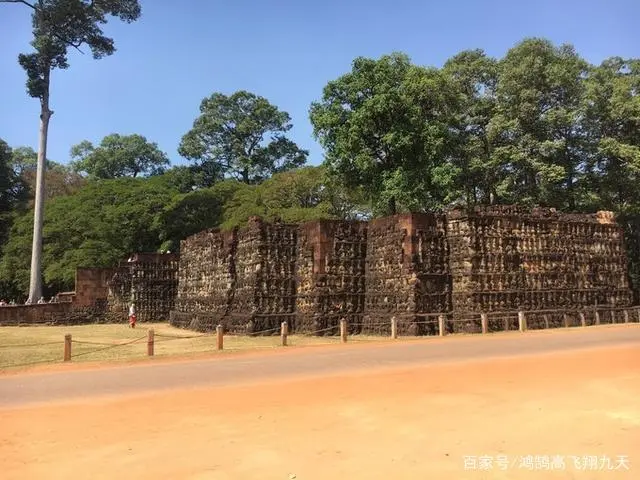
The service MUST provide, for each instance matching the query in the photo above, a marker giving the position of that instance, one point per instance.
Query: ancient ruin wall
(92, 286)
(413, 267)
(407, 274)
(265, 293)
(330, 276)
(508, 259)
(206, 279)
(243, 280)
(150, 281)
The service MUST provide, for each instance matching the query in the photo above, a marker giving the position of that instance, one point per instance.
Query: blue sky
(181, 51)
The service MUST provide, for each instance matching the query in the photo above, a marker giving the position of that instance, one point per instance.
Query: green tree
(119, 156)
(190, 213)
(385, 127)
(58, 25)
(12, 189)
(537, 133)
(183, 178)
(612, 112)
(241, 136)
(475, 76)
(97, 226)
(299, 195)
(60, 179)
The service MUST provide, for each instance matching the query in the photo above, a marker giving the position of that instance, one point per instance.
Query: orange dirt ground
(416, 423)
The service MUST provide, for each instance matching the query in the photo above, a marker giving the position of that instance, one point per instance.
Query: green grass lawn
(21, 347)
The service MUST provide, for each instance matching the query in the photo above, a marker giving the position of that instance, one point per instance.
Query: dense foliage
(540, 126)
(241, 136)
(119, 156)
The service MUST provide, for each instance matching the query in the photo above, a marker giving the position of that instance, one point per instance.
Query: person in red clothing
(132, 316)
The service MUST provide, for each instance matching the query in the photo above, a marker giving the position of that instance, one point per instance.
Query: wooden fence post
(441, 325)
(583, 320)
(565, 319)
(150, 341)
(343, 330)
(626, 316)
(219, 337)
(637, 314)
(394, 327)
(484, 321)
(522, 322)
(284, 331)
(546, 321)
(67, 348)
(597, 317)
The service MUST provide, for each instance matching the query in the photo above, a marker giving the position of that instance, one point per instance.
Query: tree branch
(19, 1)
(59, 37)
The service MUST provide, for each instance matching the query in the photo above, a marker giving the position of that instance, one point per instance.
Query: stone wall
(150, 280)
(407, 273)
(330, 276)
(92, 285)
(244, 280)
(104, 294)
(265, 293)
(207, 279)
(63, 313)
(413, 267)
(508, 258)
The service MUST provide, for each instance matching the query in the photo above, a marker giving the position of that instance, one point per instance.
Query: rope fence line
(25, 345)
(426, 322)
(312, 334)
(115, 345)
(180, 337)
(84, 342)
(511, 321)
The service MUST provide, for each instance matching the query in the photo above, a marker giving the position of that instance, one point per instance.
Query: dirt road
(66, 384)
(537, 412)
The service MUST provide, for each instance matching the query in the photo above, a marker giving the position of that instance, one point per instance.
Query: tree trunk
(35, 281)
(392, 206)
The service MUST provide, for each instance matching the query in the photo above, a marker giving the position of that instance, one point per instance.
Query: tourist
(132, 316)
(2, 303)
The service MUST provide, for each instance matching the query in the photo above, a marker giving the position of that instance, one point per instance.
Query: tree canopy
(385, 127)
(241, 136)
(119, 156)
(540, 126)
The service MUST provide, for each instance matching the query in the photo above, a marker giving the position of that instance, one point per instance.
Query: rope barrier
(429, 319)
(378, 324)
(181, 337)
(108, 348)
(171, 339)
(25, 345)
(312, 334)
(84, 342)
(277, 329)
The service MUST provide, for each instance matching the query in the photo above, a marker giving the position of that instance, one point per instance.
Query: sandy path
(67, 381)
(408, 423)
